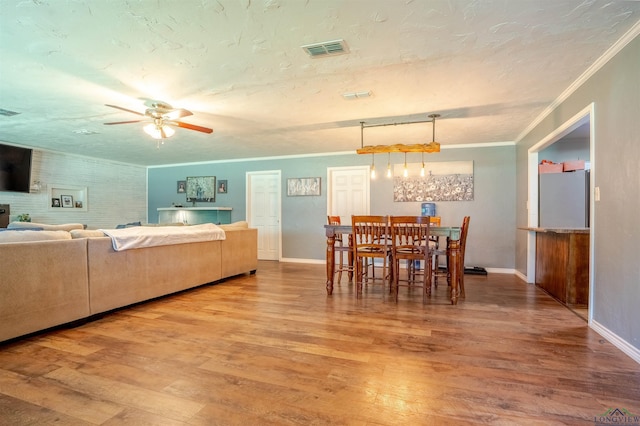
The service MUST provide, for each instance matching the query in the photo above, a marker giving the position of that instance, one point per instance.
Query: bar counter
(562, 263)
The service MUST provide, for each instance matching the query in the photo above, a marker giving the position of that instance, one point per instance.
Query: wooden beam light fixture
(433, 146)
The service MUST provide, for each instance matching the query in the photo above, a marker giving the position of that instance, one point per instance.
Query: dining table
(452, 234)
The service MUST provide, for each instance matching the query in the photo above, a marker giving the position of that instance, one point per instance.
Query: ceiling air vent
(327, 48)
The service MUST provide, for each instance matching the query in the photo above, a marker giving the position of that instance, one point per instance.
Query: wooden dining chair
(464, 230)
(370, 237)
(410, 243)
(434, 243)
(342, 246)
(438, 253)
(444, 271)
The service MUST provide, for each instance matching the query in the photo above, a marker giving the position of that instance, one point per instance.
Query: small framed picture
(222, 187)
(182, 186)
(67, 200)
(78, 204)
(55, 202)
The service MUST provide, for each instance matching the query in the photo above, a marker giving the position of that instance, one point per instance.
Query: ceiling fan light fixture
(159, 131)
(163, 116)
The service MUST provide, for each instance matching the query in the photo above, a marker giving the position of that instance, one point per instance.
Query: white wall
(117, 193)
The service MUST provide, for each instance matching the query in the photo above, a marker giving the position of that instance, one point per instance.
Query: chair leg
(435, 265)
(427, 277)
(359, 276)
(396, 278)
(393, 273)
(461, 277)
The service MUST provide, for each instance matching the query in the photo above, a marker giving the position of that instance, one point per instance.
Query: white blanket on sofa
(150, 236)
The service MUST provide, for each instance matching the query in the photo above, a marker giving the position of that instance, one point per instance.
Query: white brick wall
(116, 192)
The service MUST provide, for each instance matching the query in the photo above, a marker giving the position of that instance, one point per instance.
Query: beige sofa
(62, 279)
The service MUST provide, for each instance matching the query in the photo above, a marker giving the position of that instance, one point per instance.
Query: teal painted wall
(491, 241)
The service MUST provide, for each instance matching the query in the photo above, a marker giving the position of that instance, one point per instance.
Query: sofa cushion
(15, 236)
(86, 233)
(45, 226)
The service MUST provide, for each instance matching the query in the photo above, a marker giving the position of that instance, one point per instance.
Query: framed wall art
(222, 187)
(443, 181)
(201, 188)
(297, 187)
(67, 200)
(181, 186)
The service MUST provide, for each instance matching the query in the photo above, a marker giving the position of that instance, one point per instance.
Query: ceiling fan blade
(123, 122)
(192, 127)
(124, 109)
(177, 113)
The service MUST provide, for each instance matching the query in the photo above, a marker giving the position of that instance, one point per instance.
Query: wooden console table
(562, 264)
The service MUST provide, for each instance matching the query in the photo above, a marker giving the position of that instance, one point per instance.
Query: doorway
(581, 122)
(348, 192)
(264, 211)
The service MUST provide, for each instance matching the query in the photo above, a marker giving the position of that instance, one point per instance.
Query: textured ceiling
(490, 68)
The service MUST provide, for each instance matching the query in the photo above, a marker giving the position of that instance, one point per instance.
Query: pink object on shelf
(550, 168)
(569, 166)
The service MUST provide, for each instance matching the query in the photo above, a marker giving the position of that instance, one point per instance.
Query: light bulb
(158, 132)
(422, 170)
(168, 131)
(373, 167)
(405, 172)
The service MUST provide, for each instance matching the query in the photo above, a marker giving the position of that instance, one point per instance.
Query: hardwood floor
(274, 349)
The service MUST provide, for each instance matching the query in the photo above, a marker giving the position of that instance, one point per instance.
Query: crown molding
(627, 38)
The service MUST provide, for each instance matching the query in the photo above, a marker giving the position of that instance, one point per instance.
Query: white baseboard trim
(379, 262)
(298, 260)
(522, 276)
(615, 340)
(500, 270)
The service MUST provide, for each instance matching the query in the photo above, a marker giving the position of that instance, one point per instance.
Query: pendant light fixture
(431, 147)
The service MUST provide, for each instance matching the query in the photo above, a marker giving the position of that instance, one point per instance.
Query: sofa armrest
(239, 251)
(42, 284)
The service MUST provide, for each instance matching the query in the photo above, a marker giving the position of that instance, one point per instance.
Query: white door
(263, 211)
(348, 192)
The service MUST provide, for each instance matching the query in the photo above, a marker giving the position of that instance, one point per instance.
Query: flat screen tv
(15, 168)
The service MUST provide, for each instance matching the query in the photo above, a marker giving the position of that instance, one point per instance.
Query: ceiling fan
(163, 116)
